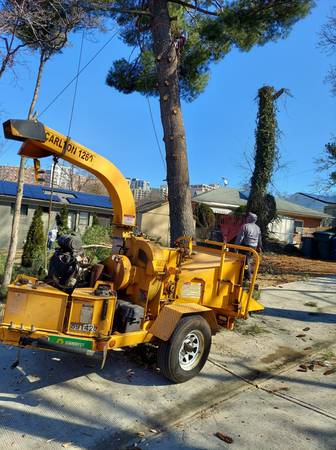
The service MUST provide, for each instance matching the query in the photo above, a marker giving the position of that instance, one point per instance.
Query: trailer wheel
(183, 356)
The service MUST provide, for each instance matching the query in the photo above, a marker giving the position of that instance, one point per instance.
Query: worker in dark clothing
(250, 236)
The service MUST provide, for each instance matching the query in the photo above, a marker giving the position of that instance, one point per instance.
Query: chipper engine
(174, 298)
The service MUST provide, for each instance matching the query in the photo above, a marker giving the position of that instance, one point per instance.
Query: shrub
(97, 234)
(34, 248)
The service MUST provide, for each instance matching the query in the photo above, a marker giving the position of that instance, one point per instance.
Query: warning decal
(191, 290)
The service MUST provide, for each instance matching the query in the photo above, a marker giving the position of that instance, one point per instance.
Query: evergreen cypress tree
(33, 250)
(204, 216)
(62, 221)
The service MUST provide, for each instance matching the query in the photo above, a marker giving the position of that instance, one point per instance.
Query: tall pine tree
(177, 40)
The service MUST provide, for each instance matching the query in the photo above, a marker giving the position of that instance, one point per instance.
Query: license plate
(88, 327)
(79, 343)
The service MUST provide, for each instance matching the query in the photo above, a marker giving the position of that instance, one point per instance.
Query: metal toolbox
(34, 305)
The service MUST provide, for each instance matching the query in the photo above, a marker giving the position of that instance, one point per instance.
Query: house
(153, 220)
(81, 207)
(331, 210)
(293, 219)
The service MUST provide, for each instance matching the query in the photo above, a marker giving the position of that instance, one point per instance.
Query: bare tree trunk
(19, 194)
(4, 63)
(179, 195)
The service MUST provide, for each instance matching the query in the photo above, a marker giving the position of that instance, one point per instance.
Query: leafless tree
(327, 43)
(47, 34)
(30, 24)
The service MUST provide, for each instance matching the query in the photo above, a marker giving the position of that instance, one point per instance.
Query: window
(72, 221)
(104, 221)
(24, 209)
(83, 219)
(298, 226)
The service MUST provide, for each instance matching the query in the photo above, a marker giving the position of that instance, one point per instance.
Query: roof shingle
(225, 197)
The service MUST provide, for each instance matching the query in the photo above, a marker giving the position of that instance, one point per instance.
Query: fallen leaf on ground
(320, 363)
(330, 371)
(224, 437)
(281, 388)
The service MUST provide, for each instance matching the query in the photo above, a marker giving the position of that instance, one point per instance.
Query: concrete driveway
(53, 400)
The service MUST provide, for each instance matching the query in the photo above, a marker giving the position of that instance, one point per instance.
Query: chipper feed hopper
(174, 298)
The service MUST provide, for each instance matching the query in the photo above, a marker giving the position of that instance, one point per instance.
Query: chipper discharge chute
(143, 293)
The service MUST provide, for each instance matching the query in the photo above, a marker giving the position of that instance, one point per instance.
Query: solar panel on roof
(38, 193)
(99, 203)
(29, 191)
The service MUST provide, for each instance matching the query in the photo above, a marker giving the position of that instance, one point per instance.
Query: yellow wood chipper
(174, 298)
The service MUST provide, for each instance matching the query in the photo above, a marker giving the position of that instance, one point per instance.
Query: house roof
(225, 197)
(149, 206)
(321, 198)
(35, 192)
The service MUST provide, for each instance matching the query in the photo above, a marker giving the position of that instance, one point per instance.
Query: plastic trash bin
(333, 249)
(308, 246)
(323, 239)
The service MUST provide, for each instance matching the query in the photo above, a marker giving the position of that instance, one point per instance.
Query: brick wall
(308, 222)
(10, 173)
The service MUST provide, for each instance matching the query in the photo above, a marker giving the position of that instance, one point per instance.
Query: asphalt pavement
(54, 401)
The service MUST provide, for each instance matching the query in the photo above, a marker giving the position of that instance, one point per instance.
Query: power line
(78, 74)
(155, 132)
(76, 84)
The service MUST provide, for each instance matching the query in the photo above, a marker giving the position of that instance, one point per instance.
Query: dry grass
(277, 269)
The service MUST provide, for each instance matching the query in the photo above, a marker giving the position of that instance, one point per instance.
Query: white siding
(282, 229)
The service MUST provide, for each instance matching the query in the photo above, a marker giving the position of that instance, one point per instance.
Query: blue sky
(219, 124)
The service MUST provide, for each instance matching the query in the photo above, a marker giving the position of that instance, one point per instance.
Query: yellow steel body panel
(35, 305)
(86, 313)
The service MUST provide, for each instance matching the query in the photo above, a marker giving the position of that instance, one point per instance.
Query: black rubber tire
(168, 352)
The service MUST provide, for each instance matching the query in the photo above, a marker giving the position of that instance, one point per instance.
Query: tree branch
(195, 7)
(135, 12)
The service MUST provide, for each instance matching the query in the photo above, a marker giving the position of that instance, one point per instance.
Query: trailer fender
(169, 316)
